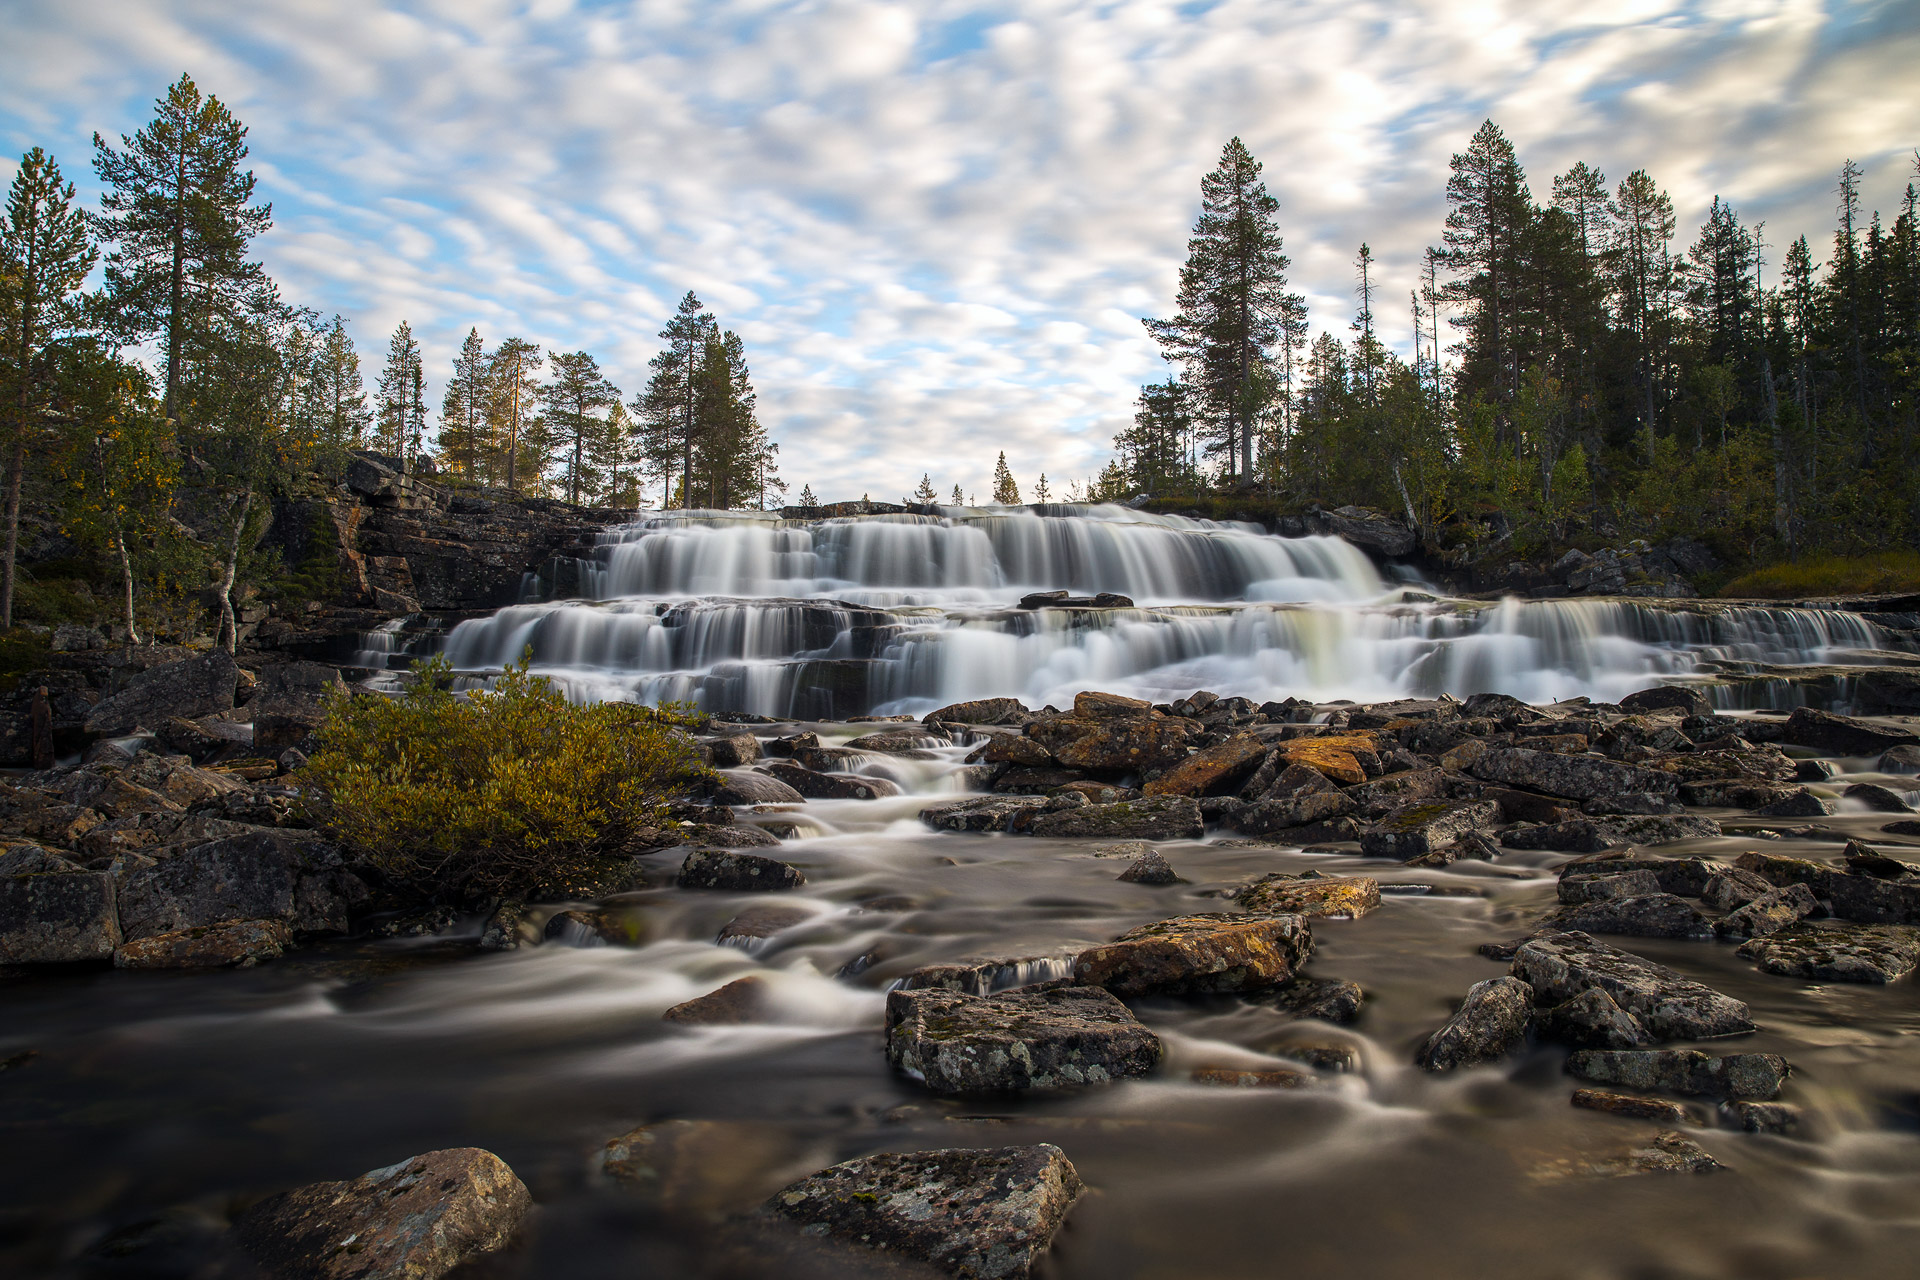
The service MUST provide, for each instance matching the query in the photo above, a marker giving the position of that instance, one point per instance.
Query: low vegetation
(512, 790)
(1887, 571)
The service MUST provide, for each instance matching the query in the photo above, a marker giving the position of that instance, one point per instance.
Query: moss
(1884, 572)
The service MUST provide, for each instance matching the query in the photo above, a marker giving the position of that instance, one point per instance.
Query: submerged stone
(742, 1000)
(1837, 953)
(239, 943)
(1628, 1104)
(1685, 1071)
(1328, 999)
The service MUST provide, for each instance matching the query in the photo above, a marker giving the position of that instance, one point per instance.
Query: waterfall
(745, 611)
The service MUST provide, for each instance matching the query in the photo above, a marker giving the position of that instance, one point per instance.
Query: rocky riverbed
(1118, 989)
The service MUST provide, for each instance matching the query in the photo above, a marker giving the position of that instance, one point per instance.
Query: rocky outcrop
(1017, 1041)
(287, 876)
(56, 915)
(178, 690)
(1837, 953)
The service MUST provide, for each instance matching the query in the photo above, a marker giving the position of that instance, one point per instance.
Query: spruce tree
(926, 495)
(574, 400)
(1645, 283)
(1040, 491)
(463, 410)
(397, 391)
(668, 407)
(1005, 491)
(806, 496)
(45, 255)
(1489, 217)
(512, 393)
(176, 211)
(340, 399)
(957, 500)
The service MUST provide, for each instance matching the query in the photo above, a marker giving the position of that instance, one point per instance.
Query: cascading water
(739, 611)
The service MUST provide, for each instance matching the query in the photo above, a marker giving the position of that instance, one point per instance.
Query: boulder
(746, 787)
(1864, 899)
(1837, 953)
(1842, 735)
(975, 1214)
(1149, 818)
(1491, 1023)
(1018, 1041)
(1113, 743)
(1367, 529)
(1632, 1105)
(1677, 698)
(289, 876)
(1149, 868)
(1762, 1117)
(978, 711)
(1423, 830)
(732, 751)
(1684, 1071)
(55, 915)
(1198, 953)
(585, 927)
(1217, 768)
(238, 944)
(1801, 802)
(1590, 1020)
(179, 690)
(1687, 877)
(737, 872)
(1264, 817)
(1341, 757)
(1768, 913)
(760, 922)
(290, 702)
(1876, 797)
(991, 813)
(1653, 915)
(1241, 1078)
(1330, 897)
(1597, 835)
(832, 786)
(416, 1220)
(742, 1000)
(1593, 887)
(1328, 999)
(1666, 1005)
(1572, 777)
(1899, 760)
(1733, 888)
(1110, 706)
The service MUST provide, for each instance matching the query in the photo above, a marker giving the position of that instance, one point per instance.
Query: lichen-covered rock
(56, 916)
(1595, 886)
(976, 1214)
(984, 813)
(1841, 735)
(1341, 757)
(1837, 953)
(1333, 897)
(1573, 777)
(289, 702)
(1113, 743)
(832, 786)
(746, 787)
(1590, 1020)
(1684, 1071)
(1327, 999)
(1864, 899)
(1149, 818)
(1265, 817)
(1653, 915)
(1669, 1005)
(978, 711)
(1018, 1041)
(737, 872)
(1211, 952)
(1220, 767)
(291, 876)
(1490, 1024)
(1734, 887)
(237, 943)
(1422, 830)
(1768, 913)
(1597, 835)
(179, 690)
(1801, 802)
(416, 1220)
(732, 751)
(1150, 868)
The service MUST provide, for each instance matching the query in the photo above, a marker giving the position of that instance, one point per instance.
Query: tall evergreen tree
(1005, 491)
(1645, 286)
(925, 494)
(958, 501)
(1154, 450)
(395, 396)
(1490, 212)
(339, 398)
(513, 391)
(668, 407)
(806, 496)
(463, 410)
(574, 401)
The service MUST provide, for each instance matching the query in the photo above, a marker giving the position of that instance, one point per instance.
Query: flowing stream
(158, 1100)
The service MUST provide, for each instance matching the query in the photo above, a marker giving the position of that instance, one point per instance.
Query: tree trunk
(229, 633)
(126, 583)
(15, 465)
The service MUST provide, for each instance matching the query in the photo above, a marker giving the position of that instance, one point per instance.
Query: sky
(936, 225)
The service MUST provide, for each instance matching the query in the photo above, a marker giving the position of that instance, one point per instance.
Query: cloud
(937, 224)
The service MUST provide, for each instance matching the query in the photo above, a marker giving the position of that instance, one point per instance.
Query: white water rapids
(745, 611)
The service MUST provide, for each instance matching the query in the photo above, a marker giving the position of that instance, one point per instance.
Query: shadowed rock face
(179, 690)
(979, 1215)
(416, 1220)
(1018, 1041)
(1212, 952)
(1663, 1003)
(1688, 1071)
(1571, 777)
(1490, 1024)
(737, 872)
(57, 916)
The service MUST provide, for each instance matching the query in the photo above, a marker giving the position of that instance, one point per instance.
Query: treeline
(1576, 373)
(154, 418)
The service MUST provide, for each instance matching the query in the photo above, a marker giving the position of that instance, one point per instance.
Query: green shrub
(1888, 571)
(508, 791)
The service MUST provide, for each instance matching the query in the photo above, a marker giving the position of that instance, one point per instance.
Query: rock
(991, 813)
(1864, 899)
(1684, 1071)
(506, 928)
(1798, 803)
(1762, 1117)
(56, 916)
(832, 786)
(1328, 999)
(416, 1220)
(976, 1214)
(1635, 803)
(1340, 757)
(1683, 699)
(1109, 706)
(1216, 768)
(1732, 795)
(978, 711)
(761, 922)
(1597, 835)
(1149, 818)
(589, 928)
(983, 977)
(1330, 897)
(1590, 1020)
(1113, 743)
(1687, 877)
(1018, 1041)
(1149, 868)
(1667, 1005)
(737, 872)
(897, 742)
(1837, 953)
(1842, 735)
(1816, 770)
(1670, 1153)
(733, 751)
(1491, 1023)
(1264, 817)
(1654, 915)
(1198, 953)
(240, 944)
(290, 702)
(1876, 797)
(179, 690)
(1627, 1104)
(1367, 529)
(1021, 751)
(1595, 886)
(1240, 1078)
(1769, 913)
(793, 742)
(1734, 887)
(729, 835)
(1421, 830)
(1863, 859)
(1899, 760)
(1571, 777)
(747, 787)
(742, 1000)
(189, 738)
(289, 876)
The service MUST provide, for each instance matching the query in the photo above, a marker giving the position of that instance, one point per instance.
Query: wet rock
(1864, 899)
(1121, 849)
(1331, 897)
(1109, 706)
(1217, 768)
(179, 690)
(699, 1167)
(990, 813)
(832, 786)
(976, 1214)
(1597, 835)
(1394, 790)
(1113, 743)
(1013, 749)
(983, 977)
(1327, 999)
(1421, 830)
(56, 916)
(1491, 1023)
(189, 738)
(1842, 735)
(1017, 1041)
(1243, 1078)
(1864, 860)
(1673, 698)
(1815, 770)
(1668, 1005)
(1037, 782)
(1264, 817)
(1684, 1071)
(1798, 803)
(1653, 915)
(1837, 953)
(586, 928)
(1100, 792)
(264, 875)
(1149, 868)
(749, 788)
(506, 928)
(1570, 777)
(1687, 877)
(1627, 1104)
(791, 743)
(740, 1001)
(761, 922)
(1149, 818)
(1762, 1117)
(288, 704)
(1769, 913)
(909, 743)
(1574, 889)
(1876, 797)
(1342, 758)
(239, 944)
(1899, 760)
(737, 872)
(1198, 953)
(1590, 1020)
(416, 1220)
(728, 835)
(732, 751)
(1733, 795)
(1733, 888)
(1670, 1153)
(1635, 804)
(978, 711)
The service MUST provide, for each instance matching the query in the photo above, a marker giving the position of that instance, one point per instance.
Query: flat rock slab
(737, 872)
(1490, 1024)
(1329, 897)
(57, 916)
(978, 711)
(742, 1000)
(1328, 999)
(1149, 818)
(986, 813)
(1686, 1071)
(1837, 953)
(1018, 1041)
(1597, 835)
(1653, 915)
(240, 944)
(831, 786)
(1842, 735)
(1864, 899)
(1218, 767)
(1576, 777)
(1632, 1105)
(416, 1220)
(1199, 953)
(1421, 830)
(1769, 913)
(1666, 1005)
(979, 1215)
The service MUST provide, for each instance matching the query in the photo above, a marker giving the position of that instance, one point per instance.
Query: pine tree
(394, 397)
(957, 501)
(1154, 450)
(667, 408)
(1040, 491)
(463, 410)
(1005, 491)
(512, 393)
(45, 255)
(340, 410)
(1644, 285)
(926, 495)
(176, 212)
(806, 496)
(1233, 304)
(616, 444)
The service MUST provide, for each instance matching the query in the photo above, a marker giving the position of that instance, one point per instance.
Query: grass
(1882, 572)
